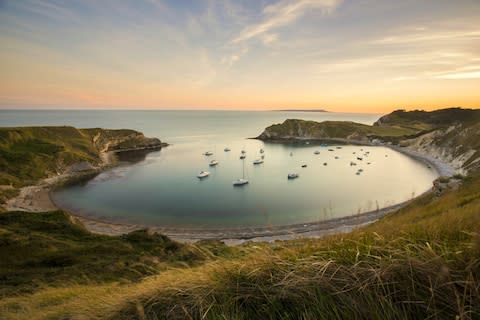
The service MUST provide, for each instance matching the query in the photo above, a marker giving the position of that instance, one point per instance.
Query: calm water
(161, 188)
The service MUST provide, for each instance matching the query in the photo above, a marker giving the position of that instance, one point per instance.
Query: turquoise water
(161, 188)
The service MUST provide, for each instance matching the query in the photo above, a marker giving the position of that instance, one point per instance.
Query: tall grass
(422, 262)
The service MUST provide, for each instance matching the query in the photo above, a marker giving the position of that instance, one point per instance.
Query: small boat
(317, 152)
(304, 165)
(258, 161)
(359, 158)
(325, 163)
(360, 170)
(358, 173)
(339, 147)
(243, 156)
(330, 150)
(243, 151)
(293, 175)
(241, 181)
(208, 153)
(368, 162)
(307, 142)
(263, 157)
(262, 151)
(203, 174)
(291, 154)
(336, 157)
(352, 163)
(226, 149)
(213, 163)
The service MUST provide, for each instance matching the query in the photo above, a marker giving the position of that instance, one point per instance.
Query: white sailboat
(203, 174)
(242, 181)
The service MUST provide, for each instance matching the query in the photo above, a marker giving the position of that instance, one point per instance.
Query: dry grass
(421, 262)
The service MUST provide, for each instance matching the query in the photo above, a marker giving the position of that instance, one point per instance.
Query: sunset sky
(348, 56)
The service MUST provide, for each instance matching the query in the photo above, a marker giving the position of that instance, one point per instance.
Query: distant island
(300, 110)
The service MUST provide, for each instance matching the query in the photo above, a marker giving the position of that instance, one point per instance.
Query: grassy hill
(420, 262)
(28, 154)
(452, 135)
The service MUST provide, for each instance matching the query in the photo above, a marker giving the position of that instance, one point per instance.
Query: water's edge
(283, 232)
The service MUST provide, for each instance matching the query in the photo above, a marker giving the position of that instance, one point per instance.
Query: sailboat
(203, 174)
(242, 181)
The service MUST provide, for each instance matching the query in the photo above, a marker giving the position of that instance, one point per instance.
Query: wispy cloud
(282, 14)
(426, 36)
(460, 75)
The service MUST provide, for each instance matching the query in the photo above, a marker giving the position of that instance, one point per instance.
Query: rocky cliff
(450, 135)
(32, 153)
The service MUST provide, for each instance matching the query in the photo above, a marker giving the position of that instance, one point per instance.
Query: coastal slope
(450, 135)
(31, 154)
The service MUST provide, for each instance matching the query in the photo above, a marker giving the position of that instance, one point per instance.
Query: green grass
(28, 154)
(47, 248)
(423, 262)
(335, 130)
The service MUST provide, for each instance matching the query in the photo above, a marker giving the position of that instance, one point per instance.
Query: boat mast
(243, 172)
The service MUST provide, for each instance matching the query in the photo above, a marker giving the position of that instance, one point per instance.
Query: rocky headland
(449, 138)
(36, 159)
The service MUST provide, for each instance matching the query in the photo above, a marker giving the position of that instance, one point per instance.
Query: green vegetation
(48, 248)
(292, 128)
(28, 154)
(420, 262)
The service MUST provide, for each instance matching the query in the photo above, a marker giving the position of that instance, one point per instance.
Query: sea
(161, 188)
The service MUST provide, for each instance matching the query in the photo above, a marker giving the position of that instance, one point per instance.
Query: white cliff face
(436, 145)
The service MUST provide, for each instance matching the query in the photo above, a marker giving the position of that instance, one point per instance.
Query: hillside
(419, 262)
(451, 135)
(29, 154)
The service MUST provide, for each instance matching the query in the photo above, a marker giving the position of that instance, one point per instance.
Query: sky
(345, 56)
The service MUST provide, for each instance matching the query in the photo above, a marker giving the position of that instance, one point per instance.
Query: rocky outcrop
(454, 145)
(295, 129)
(106, 140)
(451, 136)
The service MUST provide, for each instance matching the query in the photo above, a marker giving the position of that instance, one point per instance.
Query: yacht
(241, 181)
(317, 152)
(258, 161)
(203, 174)
(293, 175)
(213, 163)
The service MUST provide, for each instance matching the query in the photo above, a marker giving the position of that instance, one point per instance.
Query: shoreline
(37, 199)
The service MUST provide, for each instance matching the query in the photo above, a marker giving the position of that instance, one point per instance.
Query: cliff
(29, 154)
(450, 135)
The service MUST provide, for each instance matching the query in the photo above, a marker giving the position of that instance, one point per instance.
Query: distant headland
(300, 110)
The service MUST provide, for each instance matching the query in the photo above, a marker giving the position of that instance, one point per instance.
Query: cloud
(460, 75)
(428, 36)
(281, 14)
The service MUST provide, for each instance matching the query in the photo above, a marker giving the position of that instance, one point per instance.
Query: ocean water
(161, 188)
